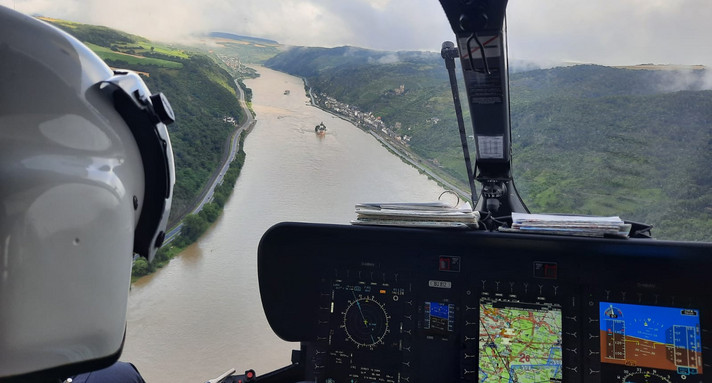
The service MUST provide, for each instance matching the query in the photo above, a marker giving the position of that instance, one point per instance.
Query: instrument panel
(373, 304)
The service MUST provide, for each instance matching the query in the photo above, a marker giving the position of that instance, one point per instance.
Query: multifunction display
(519, 342)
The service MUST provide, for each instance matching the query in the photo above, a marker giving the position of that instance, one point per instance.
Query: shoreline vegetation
(195, 225)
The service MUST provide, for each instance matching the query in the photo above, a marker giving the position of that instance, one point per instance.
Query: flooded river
(201, 314)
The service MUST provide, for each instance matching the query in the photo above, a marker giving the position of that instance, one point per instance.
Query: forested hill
(203, 96)
(586, 139)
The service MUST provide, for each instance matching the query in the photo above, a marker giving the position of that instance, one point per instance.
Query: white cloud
(390, 58)
(377, 4)
(608, 32)
(612, 32)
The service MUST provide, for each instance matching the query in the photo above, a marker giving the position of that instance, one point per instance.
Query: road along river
(201, 314)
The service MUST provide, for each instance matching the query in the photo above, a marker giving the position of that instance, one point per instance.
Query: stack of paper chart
(588, 226)
(428, 214)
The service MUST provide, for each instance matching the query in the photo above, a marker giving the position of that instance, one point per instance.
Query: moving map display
(519, 342)
(651, 336)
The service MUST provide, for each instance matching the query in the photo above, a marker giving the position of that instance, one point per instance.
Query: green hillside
(201, 92)
(586, 139)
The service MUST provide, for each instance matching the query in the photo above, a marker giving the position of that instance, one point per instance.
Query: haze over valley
(588, 139)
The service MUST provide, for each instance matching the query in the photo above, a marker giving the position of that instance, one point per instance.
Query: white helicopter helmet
(86, 179)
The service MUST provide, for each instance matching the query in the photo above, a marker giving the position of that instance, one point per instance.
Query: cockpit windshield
(300, 110)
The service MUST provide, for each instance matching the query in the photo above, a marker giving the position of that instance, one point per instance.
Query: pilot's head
(86, 176)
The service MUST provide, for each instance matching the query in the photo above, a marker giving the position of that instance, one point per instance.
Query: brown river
(201, 314)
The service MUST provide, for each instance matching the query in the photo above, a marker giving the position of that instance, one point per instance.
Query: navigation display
(519, 342)
(651, 336)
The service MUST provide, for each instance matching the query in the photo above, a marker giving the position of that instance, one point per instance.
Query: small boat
(286, 92)
(320, 129)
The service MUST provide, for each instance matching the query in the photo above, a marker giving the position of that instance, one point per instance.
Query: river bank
(202, 314)
(190, 227)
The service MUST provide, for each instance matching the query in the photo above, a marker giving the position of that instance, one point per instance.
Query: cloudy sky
(609, 32)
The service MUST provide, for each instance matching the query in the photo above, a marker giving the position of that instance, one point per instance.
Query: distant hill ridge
(662, 67)
(231, 36)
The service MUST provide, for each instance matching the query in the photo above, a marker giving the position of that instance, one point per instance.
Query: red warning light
(444, 264)
(449, 263)
(546, 270)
